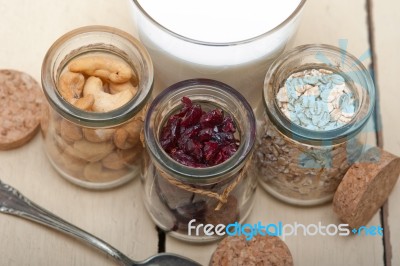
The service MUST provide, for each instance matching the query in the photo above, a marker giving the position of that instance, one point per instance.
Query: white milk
(221, 40)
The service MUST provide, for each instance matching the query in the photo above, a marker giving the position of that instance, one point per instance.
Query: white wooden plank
(387, 42)
(27, 30)
(323, 21)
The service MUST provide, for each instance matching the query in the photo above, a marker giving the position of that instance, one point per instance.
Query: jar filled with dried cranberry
(199, 137)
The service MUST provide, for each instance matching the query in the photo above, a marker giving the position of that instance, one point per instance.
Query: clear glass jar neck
(97, 39)
(351, 69)
(201, 91)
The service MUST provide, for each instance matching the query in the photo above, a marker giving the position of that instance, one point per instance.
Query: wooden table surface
(28, 28)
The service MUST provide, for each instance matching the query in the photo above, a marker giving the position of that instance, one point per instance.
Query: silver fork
(14, 203)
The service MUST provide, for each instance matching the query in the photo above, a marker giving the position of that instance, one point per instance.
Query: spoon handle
(13, 202)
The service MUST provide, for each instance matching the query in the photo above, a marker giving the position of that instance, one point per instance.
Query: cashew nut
(120, 139)
(108, 68)
(69, 131)
(61, 144)
(118, 87)
(113, 161)
(85, 103)
(98, 135)
(130, 156)
(95, 172)
(134, 127)
(92, 171)
(104, 102)
(90, 151)
(93, 86)
(71, 86)
(129, 135)
(72, 164)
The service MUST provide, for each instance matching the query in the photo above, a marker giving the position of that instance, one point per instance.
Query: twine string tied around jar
(221, 197)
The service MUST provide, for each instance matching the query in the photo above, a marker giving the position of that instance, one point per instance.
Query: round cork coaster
(366, 186)
(21, 101)
(260, 250)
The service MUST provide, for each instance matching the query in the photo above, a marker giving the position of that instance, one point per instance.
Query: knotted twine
(221, 197)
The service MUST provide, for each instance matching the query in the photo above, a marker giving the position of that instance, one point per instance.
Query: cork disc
(21, 102)
(366, 186)
(260, 250)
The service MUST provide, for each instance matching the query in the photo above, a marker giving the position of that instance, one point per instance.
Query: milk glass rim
(205, 43)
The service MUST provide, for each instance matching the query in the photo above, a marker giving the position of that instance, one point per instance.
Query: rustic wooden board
(387, 42)
(118, 216)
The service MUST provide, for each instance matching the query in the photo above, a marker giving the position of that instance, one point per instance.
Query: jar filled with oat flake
(317, 100)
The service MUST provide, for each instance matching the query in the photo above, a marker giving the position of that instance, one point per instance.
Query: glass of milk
(232, 41)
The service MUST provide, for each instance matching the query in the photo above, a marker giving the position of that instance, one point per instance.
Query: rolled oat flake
(317, 99)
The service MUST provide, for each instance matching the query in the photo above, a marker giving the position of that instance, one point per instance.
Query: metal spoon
(13, 202)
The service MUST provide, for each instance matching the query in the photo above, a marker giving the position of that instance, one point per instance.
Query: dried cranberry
(186, 101)
(212, 118)
(195, 148)
(217, 159)
(185, 159)
(187, 104)
(197, 138)
(223, 137)
(192, 116)
(170, 134)
(228, 125)
(205, 134)
(188, 133)
(211, 148)
(228, 150)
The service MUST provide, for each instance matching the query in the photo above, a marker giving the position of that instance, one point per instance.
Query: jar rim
(206, 43)
(303, 134)
(206, 174)
(96, 119)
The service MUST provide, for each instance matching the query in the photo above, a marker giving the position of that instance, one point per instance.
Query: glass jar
(96, 150)
(303, 164)
(175, 194)
(241, 64)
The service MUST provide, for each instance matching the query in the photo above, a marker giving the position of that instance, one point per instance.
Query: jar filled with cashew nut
(98, 82)
(199, 137)
(317, 101)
